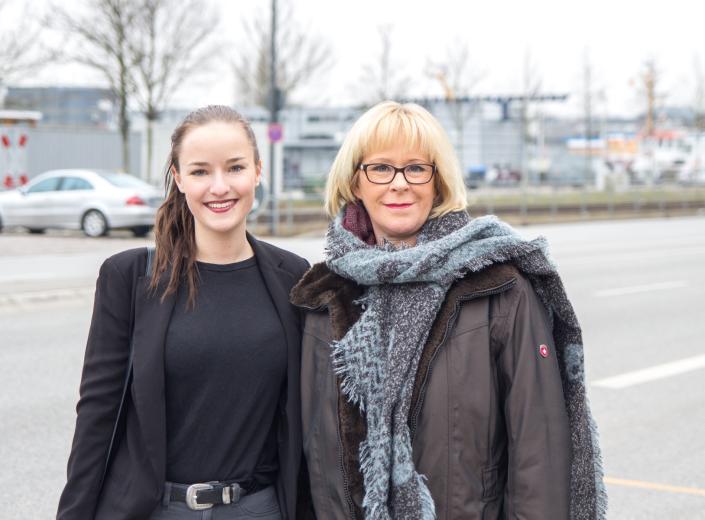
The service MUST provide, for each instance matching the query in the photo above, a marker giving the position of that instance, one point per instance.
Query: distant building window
(316, 136)
(318, 118)
(75, 183)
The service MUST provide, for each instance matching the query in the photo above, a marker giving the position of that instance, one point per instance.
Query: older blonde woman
(442, 362)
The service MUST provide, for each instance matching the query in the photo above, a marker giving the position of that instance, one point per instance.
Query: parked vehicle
(92, 200)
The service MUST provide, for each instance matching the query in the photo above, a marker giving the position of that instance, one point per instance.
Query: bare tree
(301, 56)
(21, 50)
(456, 72)
(383, 76)
(459, 78)
(589, 99)
(170, 43)
(531, 87)
(100, 40)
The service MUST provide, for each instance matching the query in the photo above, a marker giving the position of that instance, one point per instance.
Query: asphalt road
(638, 288)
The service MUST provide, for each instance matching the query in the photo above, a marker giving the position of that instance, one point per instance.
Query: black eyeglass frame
(364, 167)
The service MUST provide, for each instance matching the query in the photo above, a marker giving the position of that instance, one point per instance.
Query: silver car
(92, 200)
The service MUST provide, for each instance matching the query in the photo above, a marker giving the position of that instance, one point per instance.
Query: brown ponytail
(174, 227)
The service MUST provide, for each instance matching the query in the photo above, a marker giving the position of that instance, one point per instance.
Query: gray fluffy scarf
(378, 357)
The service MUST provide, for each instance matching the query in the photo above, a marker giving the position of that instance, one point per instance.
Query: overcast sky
(619, 34)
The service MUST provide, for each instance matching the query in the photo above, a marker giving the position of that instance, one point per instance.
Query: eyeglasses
(379, 173)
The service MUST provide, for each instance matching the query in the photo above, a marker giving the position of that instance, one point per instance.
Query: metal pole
(273, 118)
(587, 167)
(524, 175)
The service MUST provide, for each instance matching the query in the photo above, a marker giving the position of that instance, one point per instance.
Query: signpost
(274, 131)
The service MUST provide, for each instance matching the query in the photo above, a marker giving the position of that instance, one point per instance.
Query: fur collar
(320, 289)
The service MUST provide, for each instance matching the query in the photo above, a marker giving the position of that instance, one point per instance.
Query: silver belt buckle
(232, 493)
(192, 494)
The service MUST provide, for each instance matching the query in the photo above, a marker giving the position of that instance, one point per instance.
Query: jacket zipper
(346, 486)
(449, 325)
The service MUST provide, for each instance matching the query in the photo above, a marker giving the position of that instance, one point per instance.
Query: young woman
(442, 370)
(210, 423)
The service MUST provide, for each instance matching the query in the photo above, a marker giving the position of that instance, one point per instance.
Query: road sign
(275, 132)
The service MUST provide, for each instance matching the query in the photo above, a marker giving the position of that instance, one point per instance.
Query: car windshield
(123, 180)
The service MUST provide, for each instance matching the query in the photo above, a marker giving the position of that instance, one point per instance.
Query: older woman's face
(399, 209)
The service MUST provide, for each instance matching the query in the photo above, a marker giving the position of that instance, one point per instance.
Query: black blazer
(134, 484)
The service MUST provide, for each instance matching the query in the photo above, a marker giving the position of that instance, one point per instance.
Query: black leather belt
(206, 495)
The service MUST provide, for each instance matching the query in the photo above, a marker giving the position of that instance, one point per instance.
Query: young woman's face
(399, 209)
(218, 175)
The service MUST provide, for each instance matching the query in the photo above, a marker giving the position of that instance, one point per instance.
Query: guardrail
(534, 205)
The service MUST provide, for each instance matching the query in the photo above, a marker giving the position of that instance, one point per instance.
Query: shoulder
(520, 291)
(520, 312)
(129, 264)
(320, 286)
(504, 284)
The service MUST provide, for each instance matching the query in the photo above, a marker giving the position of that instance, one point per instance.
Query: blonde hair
(388, 124)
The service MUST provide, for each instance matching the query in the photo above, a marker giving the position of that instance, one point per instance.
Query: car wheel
(36, 231)
(141, 231)
(94, 224)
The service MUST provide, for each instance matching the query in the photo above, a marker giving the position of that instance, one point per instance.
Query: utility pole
(650, 79)
(650, 88)
(273, 119)
(587, 71)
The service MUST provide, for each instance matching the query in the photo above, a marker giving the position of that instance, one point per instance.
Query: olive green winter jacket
(488, 420)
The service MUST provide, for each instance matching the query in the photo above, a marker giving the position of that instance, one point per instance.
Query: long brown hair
(174, 228)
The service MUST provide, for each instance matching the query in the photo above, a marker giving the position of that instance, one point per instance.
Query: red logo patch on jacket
(543, 350)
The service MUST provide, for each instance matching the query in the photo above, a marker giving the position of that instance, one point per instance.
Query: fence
(31, 151)
(534, 204)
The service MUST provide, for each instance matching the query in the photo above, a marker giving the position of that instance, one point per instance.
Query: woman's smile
(221, 206)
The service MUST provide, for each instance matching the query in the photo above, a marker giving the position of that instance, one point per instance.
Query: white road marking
(635, 289)
(652, 374)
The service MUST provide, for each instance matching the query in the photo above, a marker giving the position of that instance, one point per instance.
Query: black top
(225, 365)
